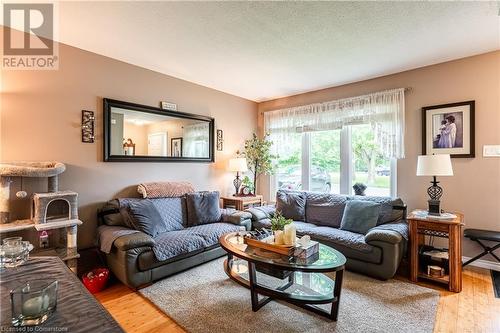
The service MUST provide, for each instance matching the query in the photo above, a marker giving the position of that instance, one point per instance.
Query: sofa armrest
(261, 213)
(238, 218)
(135, 240)
(383, 235)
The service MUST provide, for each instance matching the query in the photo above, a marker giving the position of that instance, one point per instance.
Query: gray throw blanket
(400, 227)
(108, 234)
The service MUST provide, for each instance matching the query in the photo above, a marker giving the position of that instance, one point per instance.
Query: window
(334, 160)
(325, 161)
(370, 167)
(289, 169)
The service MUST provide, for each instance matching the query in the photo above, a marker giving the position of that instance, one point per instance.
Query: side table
(241, 203)
(450, 229)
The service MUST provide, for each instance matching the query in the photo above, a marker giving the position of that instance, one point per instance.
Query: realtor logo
(28, 36)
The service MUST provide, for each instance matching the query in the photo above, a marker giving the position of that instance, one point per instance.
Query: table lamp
(237, 165)
(434, 165)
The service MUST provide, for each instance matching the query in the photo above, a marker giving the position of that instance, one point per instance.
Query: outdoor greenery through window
(332, 161)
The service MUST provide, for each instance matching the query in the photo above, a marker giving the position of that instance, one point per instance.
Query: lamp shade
(434, 165)
(238, 164)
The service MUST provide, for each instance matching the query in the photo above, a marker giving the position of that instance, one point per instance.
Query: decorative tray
(268, 244)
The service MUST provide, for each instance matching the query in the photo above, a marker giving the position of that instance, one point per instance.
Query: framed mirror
(140, 133)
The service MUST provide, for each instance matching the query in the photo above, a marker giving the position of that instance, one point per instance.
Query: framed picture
(176, 147)
(448, 129)
(220, 140)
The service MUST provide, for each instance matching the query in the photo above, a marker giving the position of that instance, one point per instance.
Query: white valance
(384, 110)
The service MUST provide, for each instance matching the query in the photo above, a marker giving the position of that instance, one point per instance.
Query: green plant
(278, 221)
(248, 183)
(259, 157)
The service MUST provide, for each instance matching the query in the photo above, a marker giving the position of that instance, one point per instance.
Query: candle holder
(33, 302)
(14, 252)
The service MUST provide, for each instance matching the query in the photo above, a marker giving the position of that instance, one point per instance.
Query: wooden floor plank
(474, 310)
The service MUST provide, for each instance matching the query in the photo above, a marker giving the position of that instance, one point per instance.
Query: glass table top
(316, 285)
(327, 259)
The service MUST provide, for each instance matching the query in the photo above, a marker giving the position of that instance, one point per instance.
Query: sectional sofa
(377, 253)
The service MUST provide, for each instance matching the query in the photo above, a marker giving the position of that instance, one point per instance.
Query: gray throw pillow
(203, 208)
(360, 216)
(292, 205)
(146, 218)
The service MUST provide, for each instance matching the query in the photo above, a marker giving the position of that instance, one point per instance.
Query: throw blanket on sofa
(165, 189)
(108, 234)
(400, 227)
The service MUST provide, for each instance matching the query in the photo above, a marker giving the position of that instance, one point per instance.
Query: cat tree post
(4, 199)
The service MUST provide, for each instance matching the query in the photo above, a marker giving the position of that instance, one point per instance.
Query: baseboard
(495, 266)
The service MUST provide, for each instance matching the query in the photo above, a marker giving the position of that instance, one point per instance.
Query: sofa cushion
(291, 204)
(212, 231)
(203, 207)
(146, 218)
(360, 216)
(174, 243)
(173, 212)
(325, 208)
(387, 213)
(350, 244)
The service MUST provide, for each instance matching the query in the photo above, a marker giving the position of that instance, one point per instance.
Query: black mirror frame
(108, 103)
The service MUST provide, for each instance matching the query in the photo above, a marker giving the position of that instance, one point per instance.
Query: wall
(41, 114)
(139, 136)
(475, 187)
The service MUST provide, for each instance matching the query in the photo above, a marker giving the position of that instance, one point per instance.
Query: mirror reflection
(135, 133)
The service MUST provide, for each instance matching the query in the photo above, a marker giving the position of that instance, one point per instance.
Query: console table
(242, 203)
(450, 229)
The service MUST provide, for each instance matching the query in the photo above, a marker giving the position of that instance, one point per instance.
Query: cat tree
(40, 218)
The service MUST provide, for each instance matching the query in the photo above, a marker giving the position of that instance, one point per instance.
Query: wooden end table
(241, 203)
(450, 229)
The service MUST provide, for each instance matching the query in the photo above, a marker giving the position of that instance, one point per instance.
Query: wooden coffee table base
(303, 301)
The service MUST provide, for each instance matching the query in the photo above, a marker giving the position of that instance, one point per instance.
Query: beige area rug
(204, 299)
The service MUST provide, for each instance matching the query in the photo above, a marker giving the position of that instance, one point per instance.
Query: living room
(161, 151)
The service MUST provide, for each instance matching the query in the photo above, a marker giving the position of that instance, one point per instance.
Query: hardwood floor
(475, 309)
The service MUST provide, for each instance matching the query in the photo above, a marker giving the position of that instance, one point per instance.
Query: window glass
(370, 167)
(325, 162)
(289, 166)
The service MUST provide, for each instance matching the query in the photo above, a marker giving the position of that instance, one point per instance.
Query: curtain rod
(406, 89)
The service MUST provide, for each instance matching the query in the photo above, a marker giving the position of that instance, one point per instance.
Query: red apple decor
(96, 279)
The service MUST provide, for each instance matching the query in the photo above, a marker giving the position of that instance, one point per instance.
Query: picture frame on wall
(449, 129)
(176, 147)
(220, 140)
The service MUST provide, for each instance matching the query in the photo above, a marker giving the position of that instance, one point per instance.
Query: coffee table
(301, 282)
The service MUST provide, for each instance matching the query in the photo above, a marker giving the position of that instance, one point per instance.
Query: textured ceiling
(265, 50)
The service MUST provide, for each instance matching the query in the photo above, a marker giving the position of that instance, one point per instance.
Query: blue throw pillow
(146, 218)
(203, 208)
(360, 216)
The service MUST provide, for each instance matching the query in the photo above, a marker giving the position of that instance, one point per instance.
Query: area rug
(495, 278)
(204, 299)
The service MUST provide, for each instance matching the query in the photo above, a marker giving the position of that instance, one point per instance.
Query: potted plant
(278, 223)
(259, 157)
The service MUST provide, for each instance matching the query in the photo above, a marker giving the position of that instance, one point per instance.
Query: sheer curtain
(196, 140)
(384, 111)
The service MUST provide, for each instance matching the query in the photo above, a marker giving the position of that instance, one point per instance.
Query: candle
(278, 237)
(290, 234)
(34, 306)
